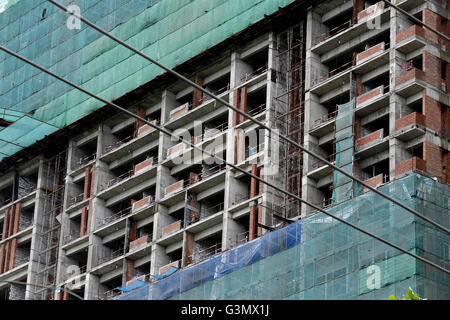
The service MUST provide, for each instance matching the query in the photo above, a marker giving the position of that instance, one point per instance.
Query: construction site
(97, 204)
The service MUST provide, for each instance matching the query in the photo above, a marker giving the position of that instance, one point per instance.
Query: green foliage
(410, 295)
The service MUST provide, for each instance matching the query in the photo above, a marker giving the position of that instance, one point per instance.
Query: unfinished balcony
(375, 174)
(204, 213)
(141, 246)
(142, 171)
(108, 256)
(374, 140)
(410, 126)
(172, 231)
(83, 155)
(112, 222)
(412, 80)
(372, 101)
(255, 68)
(343, 27)
(410, 39)
(201, 247)
(131, 141)
(409, 165)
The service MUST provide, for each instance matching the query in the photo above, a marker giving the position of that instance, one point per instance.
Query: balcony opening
(258, 64)
(109, 289)
(416, 151)
(327, 151)
(206, 248)
(142, 270)
(415, 63)
(84, 154)
(121, 137)
(326, 195)
(444, 65)
(379, 81)
(27, 184)
(337, 65)
(175, 255)
(337, 24)
(416, 106)
(373, 126)
(23, 254)
(77, 291)
(145, 231)
(212, 128)
(6, 195)
(79, 260)
(26, 217)
(419, 15)
(380, 168)
(256, 102)
(207, 207)
(74, 230)
(110, 250)
(177, 215)
(254, 143)
(217, 87)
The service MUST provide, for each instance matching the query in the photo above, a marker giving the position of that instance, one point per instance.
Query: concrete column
(253, 187)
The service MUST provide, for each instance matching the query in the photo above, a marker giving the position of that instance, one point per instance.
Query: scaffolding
(289, 110)
(49, 228)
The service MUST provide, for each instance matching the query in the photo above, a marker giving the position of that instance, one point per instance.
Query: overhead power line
(223, 160)
(261, 124)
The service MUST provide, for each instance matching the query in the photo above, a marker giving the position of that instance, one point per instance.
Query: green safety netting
(170, 31)
(25, 131)
(343, 185)
(321, 258)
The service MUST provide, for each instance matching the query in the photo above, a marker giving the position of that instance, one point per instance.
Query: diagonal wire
(227, 104)
(175, 138)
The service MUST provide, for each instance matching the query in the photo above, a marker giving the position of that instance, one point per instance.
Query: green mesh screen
(169, 31)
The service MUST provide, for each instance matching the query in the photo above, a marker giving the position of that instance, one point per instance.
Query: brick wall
(130, 269)
(409, 32)
(370, 10)
(138, 242)
(409, 165)
(372, 94)
(434, 21)
(175, 149)
(163, 269)
(409, 119)
(179, 111)
(432, 155)
(174, 187)
(432, 112)
(432, 67)
(410, 75)
(141, 203)
(369, 138)
(172, 227)
(143, 165)
(142, 278)
(146, 127)
(369, 53)
(374, 182)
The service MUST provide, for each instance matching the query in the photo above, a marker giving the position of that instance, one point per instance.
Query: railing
(338, 70)
(325, 118)
(254, 74)
(218, 92)
(199, 256)
(205, 212)
(250, 151)
(215, 131)
(259, 109)
(105, 221)
(23, 260)
(7, 201)
(24, 191)
(110, 256)
(83, 161)
(240, 238)
(76, 199)
(318, 163)
(71, 237)
(119, 143)
(212, 171)
(334, 31)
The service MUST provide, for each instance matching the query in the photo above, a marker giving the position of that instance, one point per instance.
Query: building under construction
(95, 204)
